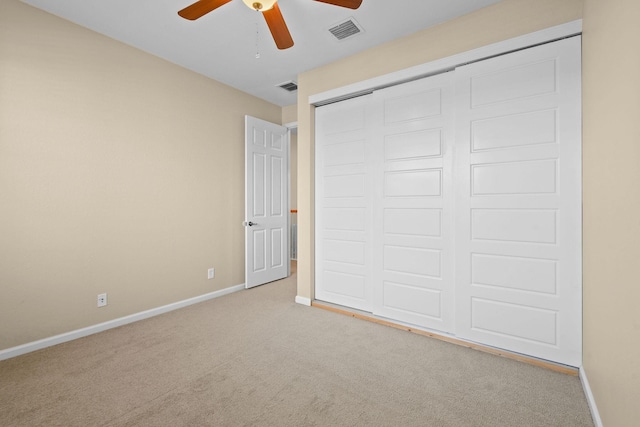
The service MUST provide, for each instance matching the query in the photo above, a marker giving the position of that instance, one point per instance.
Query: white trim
(597, 421)
(366, 86)
(291, 125)
(100, 327)
(303, 301)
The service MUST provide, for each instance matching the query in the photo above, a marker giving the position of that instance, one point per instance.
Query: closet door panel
(413, 260)
(343, 204)
(518, 208)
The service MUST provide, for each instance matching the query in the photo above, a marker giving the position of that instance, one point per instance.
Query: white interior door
(413, 136)
(266, 202)
(518, 205)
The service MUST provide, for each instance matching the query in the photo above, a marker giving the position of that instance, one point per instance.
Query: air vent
(289, 86)
(346, 29)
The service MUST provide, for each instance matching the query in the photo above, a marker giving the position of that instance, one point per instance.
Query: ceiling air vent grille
(289, 86)
(345, 29)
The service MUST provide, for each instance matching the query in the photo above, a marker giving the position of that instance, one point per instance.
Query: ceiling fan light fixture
(260, 5)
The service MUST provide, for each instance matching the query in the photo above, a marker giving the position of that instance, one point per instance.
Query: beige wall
(611, 165)
(611, 156)
(119, 173)
(290, 114)
(290, 117)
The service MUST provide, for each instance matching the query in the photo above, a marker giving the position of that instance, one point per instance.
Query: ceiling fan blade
(351, 4)
(201, 8)
(278, 27)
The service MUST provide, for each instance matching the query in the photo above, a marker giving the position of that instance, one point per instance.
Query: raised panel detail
(345, 153)
(416, 222)
(344, 251)
(424, 262)
(425, 302)
(514, 225)
(412, 107)
(344, 186)
(259, 250)
(259, 183)
(277, 244)
(413, 145)
(513, 83)
(529, 323)
(277, 172)
(277, 141)
(352, 219)
(534, 177)
(259, 137)
(344, 284)
(528, 274)
(419, 183)
(538, 127)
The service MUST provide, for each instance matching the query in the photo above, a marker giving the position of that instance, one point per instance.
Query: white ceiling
(222, 44)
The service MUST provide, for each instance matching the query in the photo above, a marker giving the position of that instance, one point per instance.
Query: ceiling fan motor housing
(260, 5)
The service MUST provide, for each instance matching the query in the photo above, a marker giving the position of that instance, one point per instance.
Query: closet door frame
(439, 66)
(547, 35)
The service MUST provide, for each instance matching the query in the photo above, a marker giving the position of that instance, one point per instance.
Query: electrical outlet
(102, 300)
(211, 273)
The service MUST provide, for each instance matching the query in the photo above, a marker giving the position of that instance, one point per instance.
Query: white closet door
(343, 204)
(518, 204)
(413, 237)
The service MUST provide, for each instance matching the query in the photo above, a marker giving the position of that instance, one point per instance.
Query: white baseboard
(94, 329)
(590, 399)
(303, 300)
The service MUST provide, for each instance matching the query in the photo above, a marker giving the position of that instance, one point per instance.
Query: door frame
(292, 127)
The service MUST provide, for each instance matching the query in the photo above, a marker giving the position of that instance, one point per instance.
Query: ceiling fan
(270, 11)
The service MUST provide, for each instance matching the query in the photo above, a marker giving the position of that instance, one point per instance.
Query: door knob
(249, 223)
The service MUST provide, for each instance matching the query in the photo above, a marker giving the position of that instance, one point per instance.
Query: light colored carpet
(255, 358)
